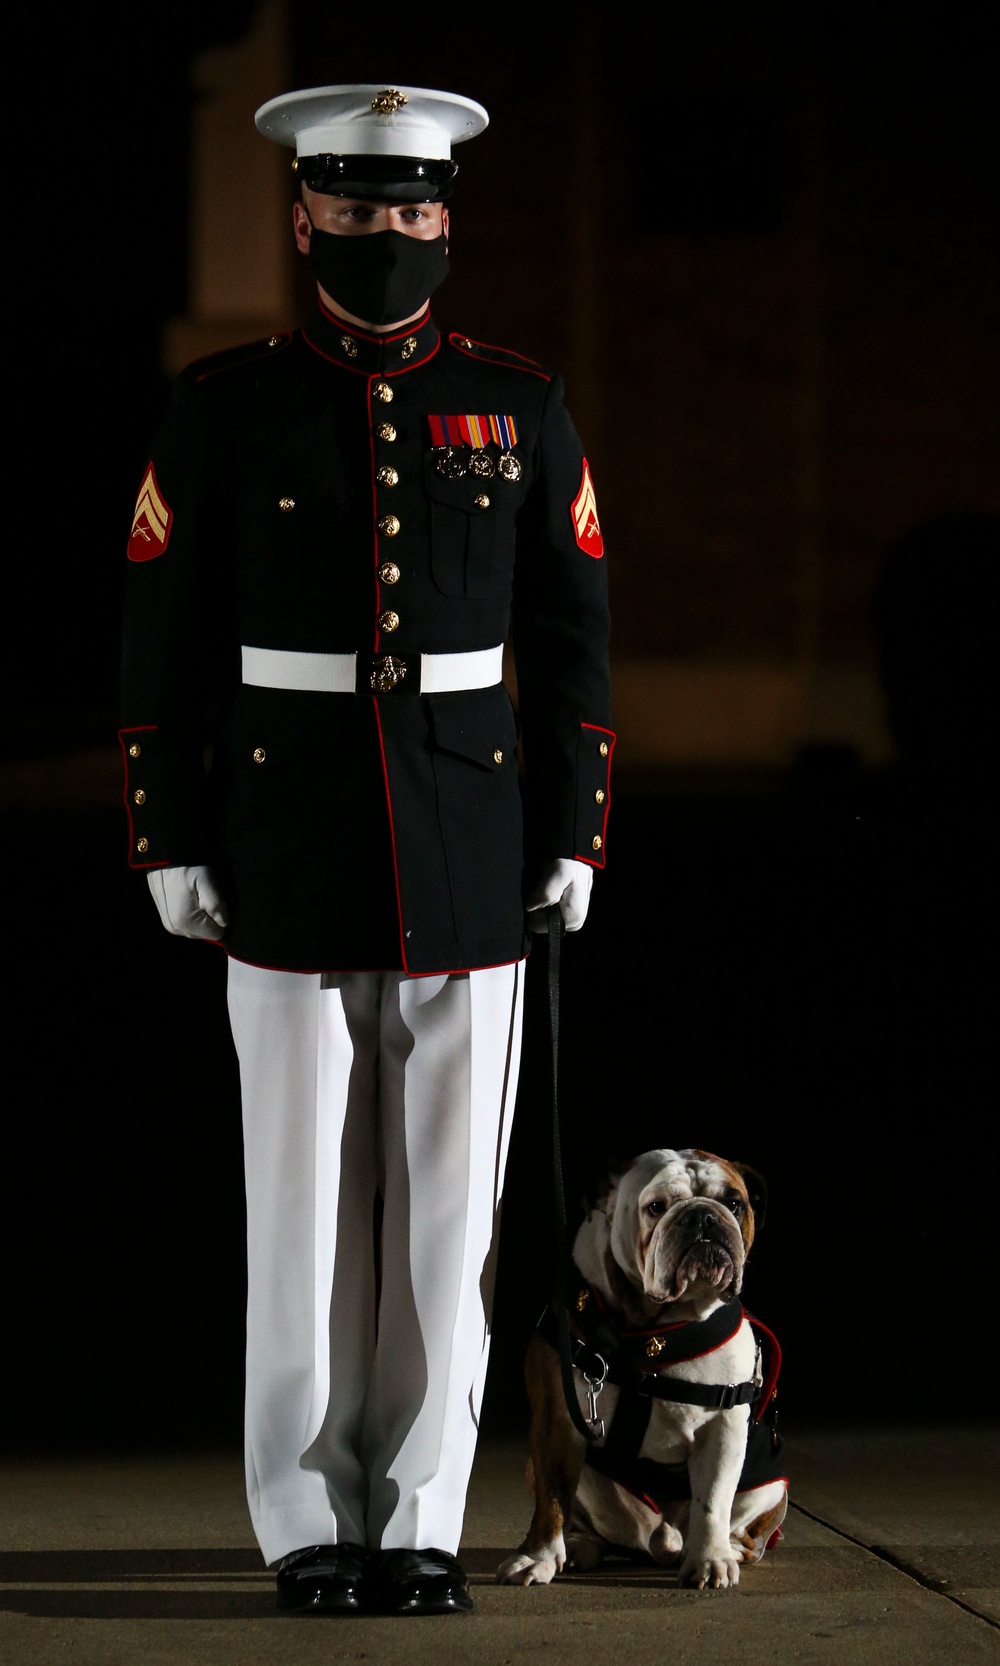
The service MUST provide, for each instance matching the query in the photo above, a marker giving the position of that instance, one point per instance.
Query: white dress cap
(375, 120)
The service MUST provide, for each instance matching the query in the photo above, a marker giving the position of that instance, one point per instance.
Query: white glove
(189, 902)
(566, 882)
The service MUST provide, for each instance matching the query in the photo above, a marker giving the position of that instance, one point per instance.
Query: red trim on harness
(770, 1382)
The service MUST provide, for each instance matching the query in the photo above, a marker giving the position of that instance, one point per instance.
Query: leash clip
(594, 1386)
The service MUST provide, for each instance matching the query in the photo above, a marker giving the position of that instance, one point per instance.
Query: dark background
(790, 966)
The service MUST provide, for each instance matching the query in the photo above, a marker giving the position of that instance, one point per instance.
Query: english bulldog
(658, 1267)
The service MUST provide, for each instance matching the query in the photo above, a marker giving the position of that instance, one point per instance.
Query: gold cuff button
(383, 391)
(481, 501)
(350, 347)
(604, 749)
(389, 572)
(138, 797)
(259, 754)
(386, 431)
(388, 620)
(134, 750)
(286, 504)
(388, 525)
(498, 756)
(142, 845)
(387, 475)
(599, 796)
(272, 341)
(462, 341)
(598, 841)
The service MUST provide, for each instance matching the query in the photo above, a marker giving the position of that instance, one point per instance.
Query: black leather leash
(560, 1304)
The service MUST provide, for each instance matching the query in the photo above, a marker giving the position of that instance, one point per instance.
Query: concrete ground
(891, 1555)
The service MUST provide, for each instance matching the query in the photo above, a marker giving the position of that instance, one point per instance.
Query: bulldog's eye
(735, 1205)
(656, 1207)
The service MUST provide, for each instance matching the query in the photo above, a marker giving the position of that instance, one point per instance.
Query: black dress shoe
(322, 1579)
(419, 1582)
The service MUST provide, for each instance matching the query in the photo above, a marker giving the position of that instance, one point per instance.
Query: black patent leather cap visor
(378, 178)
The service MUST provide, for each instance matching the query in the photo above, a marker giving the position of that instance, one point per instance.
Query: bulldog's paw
(584, 1553)
(665, 1544)
(525, 1569)
(717, 1572)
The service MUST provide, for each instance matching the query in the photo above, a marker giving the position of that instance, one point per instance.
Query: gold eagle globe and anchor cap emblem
(388, 102)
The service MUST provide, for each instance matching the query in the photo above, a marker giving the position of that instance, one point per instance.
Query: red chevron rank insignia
(151, 522)
(583, 512)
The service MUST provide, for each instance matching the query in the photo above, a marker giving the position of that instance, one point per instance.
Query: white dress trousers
(363, 1397)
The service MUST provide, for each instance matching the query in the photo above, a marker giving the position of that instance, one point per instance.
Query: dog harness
(634, 1360)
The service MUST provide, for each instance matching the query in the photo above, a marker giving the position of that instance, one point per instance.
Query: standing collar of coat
(367, 354)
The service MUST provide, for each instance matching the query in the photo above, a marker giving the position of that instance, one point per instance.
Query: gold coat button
(481, 501)
(389, 572)
(388, 525)
(142, 845)
(388, 620)
(134, 750)
(383, 391)
(498, 756)
(386, 431)
(286, 504)
(598, 841)
(350, 347)
(604, 749)
(599, 796)
(387, 475)
(259, 754)
(138, 797)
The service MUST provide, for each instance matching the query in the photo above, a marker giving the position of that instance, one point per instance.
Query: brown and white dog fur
(666, 1241)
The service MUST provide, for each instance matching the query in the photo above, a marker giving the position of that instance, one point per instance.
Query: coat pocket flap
(477, 725)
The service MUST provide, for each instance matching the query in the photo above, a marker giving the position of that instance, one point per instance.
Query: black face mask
(380, 276)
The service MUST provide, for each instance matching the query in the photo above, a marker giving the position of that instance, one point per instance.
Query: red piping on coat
(392, 835)
(456, 342)
(596, 727)
(143, 729)
(371, 447)
(355, 371)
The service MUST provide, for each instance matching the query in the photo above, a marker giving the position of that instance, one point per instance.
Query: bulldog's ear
(603, 1193)
(756, 1187)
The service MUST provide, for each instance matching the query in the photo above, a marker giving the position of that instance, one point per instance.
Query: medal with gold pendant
(505, 434)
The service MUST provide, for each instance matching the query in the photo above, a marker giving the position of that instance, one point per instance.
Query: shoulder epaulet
(232, 357)
(488, 354)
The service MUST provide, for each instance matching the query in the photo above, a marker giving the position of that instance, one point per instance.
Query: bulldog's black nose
(705, 1223)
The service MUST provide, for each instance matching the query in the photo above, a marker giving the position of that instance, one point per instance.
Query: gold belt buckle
(386, 673)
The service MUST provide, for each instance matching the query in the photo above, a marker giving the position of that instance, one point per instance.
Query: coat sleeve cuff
(593, 793)
(145, 797)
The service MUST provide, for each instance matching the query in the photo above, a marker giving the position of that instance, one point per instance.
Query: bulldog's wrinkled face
(681, 1225)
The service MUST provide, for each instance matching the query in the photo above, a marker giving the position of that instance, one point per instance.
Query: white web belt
(338, 673)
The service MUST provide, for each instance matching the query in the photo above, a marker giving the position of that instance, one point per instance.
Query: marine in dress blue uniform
(338, 530)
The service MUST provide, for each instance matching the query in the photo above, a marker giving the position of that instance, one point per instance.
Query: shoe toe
(322, 1579)
(422, 1582)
